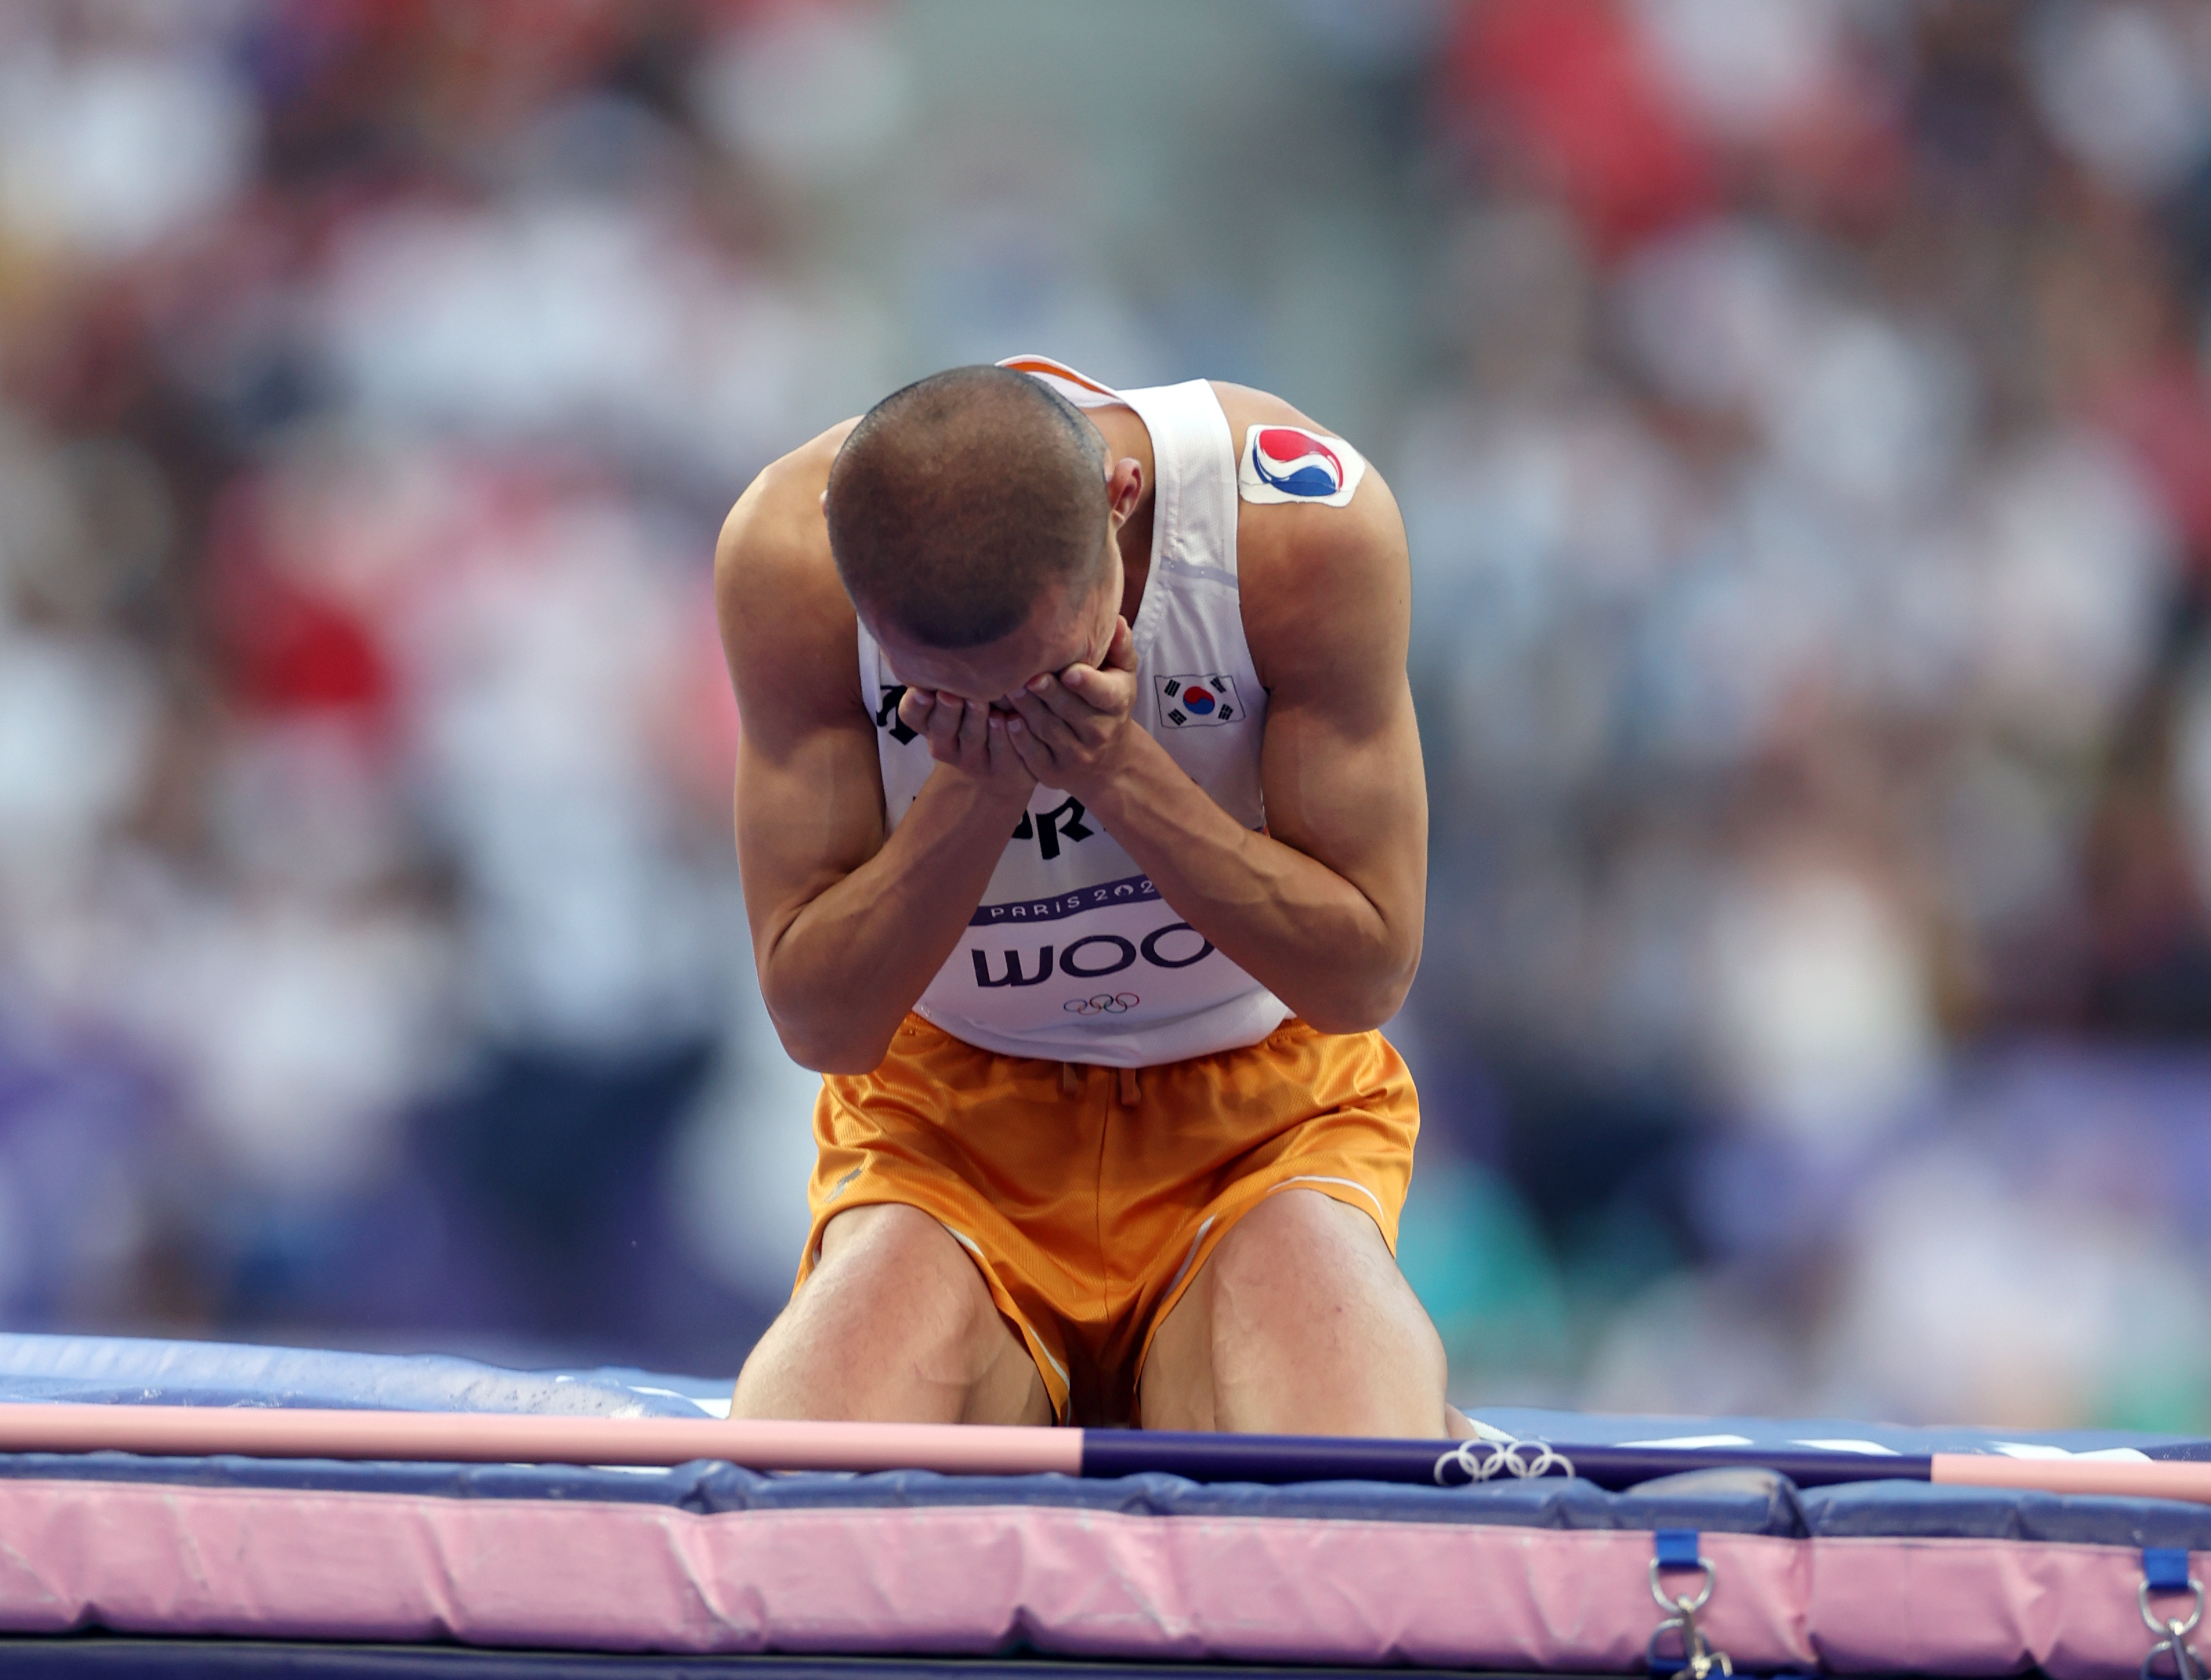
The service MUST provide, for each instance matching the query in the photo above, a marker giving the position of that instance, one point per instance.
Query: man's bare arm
(1325, 908)
(848, 927)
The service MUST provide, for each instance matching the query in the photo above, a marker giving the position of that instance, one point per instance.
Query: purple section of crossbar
(1283, 1459)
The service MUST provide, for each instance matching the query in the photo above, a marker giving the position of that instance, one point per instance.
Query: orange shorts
(1089, 1196)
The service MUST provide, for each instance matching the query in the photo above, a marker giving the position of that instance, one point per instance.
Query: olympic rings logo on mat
(1487, 1460)
(1118, 1003)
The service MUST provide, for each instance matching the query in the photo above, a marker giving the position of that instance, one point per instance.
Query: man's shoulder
(776, 524)
(1311, 567)
(1346, 510)
(1247, 405)
(783, 613)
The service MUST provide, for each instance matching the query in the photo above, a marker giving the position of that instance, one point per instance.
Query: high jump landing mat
(117, 1563)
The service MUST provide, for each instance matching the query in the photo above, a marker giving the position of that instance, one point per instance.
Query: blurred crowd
(1811, 533)
(1800, 414)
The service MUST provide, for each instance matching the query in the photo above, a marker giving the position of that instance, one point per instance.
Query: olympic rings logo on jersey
(1120, 1003)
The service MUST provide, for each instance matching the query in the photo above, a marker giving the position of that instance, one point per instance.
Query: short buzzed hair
(958, 501)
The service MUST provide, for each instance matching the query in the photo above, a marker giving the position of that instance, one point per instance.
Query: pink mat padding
(944, 1580)
(1953, 1605)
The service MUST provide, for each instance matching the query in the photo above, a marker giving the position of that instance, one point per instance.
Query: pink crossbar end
(171, 1431)
(2108, 1478)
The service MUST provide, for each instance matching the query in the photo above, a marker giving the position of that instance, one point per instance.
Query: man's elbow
(1362, 1004)
(831, 1052)
(827, 1046)
(1348, 1015)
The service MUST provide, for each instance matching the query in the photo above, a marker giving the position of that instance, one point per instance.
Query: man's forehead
(988, 672)
(979, 673)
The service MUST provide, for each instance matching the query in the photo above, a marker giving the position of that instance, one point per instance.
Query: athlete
(1082, 822)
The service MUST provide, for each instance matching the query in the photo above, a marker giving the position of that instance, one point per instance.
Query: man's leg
(1299, 1323)
(894, 1324)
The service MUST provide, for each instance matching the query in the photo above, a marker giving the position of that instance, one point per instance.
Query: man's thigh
(1299, 1322)
(893, 1323)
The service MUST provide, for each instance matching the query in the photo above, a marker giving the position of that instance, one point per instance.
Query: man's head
(971, 515)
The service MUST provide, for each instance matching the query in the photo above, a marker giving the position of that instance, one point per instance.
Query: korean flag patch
(1191, 703)
(1288, 463)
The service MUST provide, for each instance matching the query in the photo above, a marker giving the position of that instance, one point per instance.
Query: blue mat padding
(123, 1371)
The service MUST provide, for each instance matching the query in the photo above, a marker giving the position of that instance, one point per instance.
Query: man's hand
(1073, 730)
(972, 739)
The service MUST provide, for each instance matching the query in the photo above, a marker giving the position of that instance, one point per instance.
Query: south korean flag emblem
(1200, 702)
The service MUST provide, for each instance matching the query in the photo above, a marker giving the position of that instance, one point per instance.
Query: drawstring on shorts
(1129, 1091)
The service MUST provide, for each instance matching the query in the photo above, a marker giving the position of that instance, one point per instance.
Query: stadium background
(1799, 411)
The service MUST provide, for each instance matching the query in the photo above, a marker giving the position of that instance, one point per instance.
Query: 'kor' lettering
(887, 714)
(1062, 821)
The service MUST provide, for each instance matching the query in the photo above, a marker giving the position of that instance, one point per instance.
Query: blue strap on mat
(2165, 1569)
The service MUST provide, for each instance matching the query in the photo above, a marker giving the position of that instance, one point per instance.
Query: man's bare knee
(1298, 1239)
(895, 1322)
(885, 1297)
(911, 1235)
(1313, 1328)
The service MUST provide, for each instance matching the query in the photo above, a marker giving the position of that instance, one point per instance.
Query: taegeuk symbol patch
(1200, 702)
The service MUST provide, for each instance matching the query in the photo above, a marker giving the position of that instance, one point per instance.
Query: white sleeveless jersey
(1073, 955)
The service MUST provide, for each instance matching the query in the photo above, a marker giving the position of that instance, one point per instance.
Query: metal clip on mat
(1677, 1550)
(2165, 1570)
